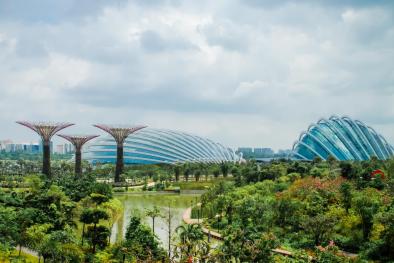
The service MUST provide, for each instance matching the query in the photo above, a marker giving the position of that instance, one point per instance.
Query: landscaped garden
(282, 211)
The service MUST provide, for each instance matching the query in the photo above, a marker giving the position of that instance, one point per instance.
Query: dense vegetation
(328, 211)
(320, 209)
(44, 217)
(31, 156)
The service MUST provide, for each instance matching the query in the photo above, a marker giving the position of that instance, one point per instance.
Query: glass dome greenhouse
(153, 146)
(343, 138)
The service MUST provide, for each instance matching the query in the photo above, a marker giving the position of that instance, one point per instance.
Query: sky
(243, 73)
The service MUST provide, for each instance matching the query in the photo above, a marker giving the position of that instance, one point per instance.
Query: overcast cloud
(243, 73)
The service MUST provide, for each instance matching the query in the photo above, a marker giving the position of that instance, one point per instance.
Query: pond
(135, 204)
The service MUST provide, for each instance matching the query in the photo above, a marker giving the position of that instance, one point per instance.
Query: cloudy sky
(243, 73)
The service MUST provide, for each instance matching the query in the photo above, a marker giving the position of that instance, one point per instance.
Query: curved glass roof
(152, 146)
(342, 138)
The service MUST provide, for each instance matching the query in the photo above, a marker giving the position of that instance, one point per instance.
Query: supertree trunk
(46, 130)
(78, 141)
(78, 162)
(119, 162)
(119, 133)
(46, 161)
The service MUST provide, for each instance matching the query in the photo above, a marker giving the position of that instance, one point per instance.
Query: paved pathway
(186, 217)
(27, 251)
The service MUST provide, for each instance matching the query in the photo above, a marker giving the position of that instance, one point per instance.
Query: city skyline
(242, 73)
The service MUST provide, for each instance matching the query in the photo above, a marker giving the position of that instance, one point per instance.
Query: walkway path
(27, 251)
(142, 185)
(186, 217)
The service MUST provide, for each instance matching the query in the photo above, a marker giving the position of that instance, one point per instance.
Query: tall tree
(366, 207)
(177, 172)
(189, 236)
(346, 195)
(95, 234)
(224, 167)
(141, 242)
(153, 213)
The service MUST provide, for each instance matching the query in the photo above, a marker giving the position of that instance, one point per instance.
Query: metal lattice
(45, 129)
(78, 140)
(120, 133)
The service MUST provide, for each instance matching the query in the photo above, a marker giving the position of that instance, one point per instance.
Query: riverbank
(136, 204)
(182, 192)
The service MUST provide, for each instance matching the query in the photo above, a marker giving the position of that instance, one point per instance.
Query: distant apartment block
(245, 150)
(65, 148)
(9, 146)
(261, 153)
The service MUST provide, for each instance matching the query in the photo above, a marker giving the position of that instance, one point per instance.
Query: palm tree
(153, 213)
(190, 236)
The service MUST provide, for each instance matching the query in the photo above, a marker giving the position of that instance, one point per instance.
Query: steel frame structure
(78, 141)
(349, 140)
(119, 133)
(46, 130)
(162, 146)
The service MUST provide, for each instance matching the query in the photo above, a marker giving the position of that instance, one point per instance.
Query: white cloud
(242, 73)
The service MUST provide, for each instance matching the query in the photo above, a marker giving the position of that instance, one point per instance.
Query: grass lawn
(200, 185)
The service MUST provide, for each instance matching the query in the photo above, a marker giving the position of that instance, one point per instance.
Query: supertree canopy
(78, 141)
(119, 133)
(46, 130)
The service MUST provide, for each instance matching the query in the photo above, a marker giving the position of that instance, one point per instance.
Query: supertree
(46, 130)
(78, 141)
(119, 133)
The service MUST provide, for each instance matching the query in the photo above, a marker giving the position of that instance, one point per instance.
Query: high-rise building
(59, 149)
(11, 147)
(245, 150)
(3, 144)
(263, 152)
(68, 148)
(31, 147)
(65, 148)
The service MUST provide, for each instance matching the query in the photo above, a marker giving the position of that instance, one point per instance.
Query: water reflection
(135, 204)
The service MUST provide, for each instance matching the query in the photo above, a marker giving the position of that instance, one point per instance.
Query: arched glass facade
(152, 146)
(342, 138)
